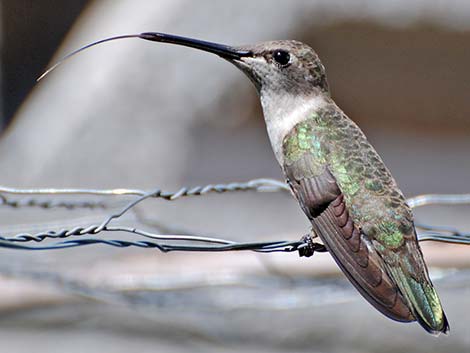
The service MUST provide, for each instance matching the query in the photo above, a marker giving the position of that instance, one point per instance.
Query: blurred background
(144, 115)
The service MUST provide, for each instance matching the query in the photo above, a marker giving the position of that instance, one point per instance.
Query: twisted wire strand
(221, 244)
(67, 204)
(262, 184)
(433, 233)
(438, 199)
(258, 185)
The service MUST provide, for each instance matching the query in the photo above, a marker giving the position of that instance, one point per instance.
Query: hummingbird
(340, 182)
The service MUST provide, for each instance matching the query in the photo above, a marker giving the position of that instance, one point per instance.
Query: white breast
(283, 112)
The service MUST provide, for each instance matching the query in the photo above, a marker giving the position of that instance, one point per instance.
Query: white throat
(282, 112)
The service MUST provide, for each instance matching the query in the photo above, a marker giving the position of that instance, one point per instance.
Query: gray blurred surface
(266, 313)
(138, 114)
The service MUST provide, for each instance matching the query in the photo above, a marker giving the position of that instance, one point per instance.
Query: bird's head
(284, 66)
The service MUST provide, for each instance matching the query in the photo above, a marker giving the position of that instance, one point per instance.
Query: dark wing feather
(323, 202)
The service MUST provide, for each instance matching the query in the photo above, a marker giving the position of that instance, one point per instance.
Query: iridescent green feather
(324, 136)
(423, 297)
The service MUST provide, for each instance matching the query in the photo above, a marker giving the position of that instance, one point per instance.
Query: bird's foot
(310, 247)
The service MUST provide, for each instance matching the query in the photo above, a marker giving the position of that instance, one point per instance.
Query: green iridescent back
(330, 139)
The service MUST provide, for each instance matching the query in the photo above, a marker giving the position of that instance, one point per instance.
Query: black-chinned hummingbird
(339, 180)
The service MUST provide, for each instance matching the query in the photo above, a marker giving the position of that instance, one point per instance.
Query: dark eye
(281, 57)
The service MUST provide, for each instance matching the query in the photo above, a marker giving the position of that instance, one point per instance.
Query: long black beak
(221, 50)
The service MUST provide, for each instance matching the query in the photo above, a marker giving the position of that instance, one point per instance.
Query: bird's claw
(310, 247)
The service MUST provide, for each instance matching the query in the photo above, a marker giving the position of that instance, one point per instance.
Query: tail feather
(423, 300)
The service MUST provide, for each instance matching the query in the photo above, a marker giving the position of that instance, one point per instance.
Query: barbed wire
(160, 242)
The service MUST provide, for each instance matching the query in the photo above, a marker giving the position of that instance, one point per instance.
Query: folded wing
(323, 202)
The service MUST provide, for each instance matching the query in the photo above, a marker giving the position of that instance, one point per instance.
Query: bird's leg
(310, 247)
